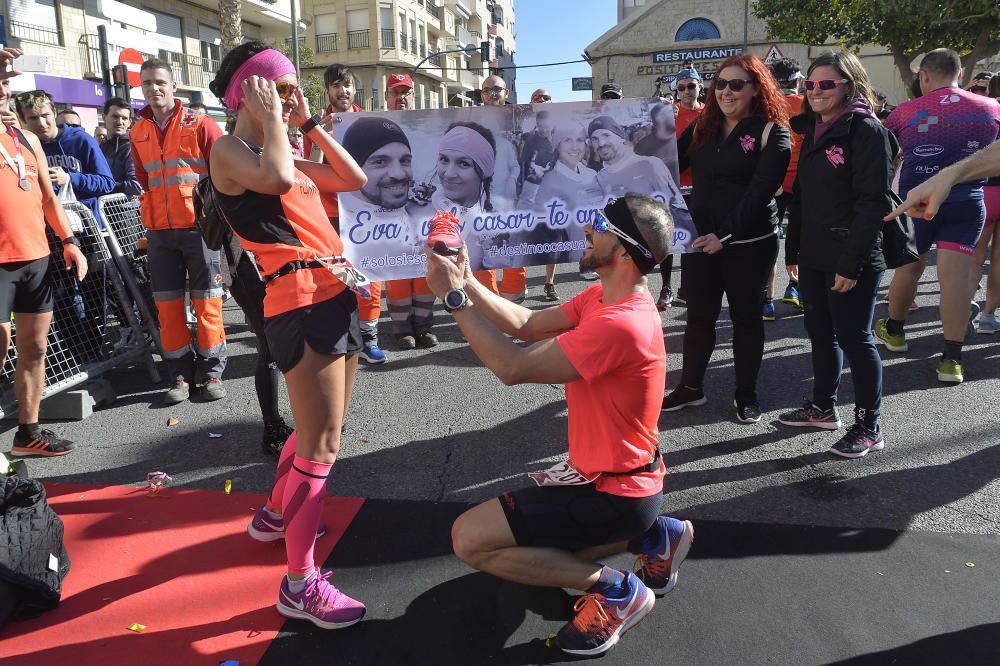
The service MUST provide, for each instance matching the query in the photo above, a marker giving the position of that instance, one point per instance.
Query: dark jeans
(838, 325)
(741, 272)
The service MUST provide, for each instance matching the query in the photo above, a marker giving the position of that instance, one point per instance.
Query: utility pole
(295, 35)
(746, 22)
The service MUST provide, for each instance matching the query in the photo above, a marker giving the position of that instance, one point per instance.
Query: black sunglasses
(735, 85)
(694, 86)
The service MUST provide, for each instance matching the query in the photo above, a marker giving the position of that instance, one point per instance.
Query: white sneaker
(988, 324)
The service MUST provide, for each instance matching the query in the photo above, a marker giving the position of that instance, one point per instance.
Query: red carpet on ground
(180, 563)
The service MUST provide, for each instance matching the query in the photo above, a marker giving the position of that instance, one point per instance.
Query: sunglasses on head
(694, 86)
(735, 85)
(824, 84)
(285, 90)
(601, 225)
(25, 97)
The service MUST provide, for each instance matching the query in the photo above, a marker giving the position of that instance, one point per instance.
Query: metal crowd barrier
(95, 326)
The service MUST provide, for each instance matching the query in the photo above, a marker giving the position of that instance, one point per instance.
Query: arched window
(697, 29)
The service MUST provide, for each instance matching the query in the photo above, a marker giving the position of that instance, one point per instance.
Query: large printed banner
(523, 180)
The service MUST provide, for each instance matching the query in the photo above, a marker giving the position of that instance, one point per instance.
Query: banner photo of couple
(522, 179)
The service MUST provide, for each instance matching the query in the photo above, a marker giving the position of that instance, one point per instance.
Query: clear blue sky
(556, 31)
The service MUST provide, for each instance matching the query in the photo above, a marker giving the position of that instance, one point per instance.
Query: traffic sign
(774, 54)
(583, 83)
(132, 60)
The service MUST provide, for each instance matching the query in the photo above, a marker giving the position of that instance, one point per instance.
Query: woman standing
(272, 202)
(833, 246)
(738, 152)
(989, 242)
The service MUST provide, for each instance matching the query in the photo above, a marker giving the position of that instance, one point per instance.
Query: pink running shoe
(320, 603)
(264, 527)
(445, 238)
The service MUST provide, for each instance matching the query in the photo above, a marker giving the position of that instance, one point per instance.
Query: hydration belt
(652, 466)
(298, 265)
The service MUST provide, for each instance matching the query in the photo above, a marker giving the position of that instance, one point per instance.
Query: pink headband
(469, 142)
(269, 64)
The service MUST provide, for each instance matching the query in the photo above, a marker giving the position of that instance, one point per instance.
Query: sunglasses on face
(541, 98)
(735, 85)
(824, 84)
(496, 90)
(601, 225)
(285, 90)
(694, 86)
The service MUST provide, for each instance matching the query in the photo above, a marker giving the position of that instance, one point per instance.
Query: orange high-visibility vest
(174, 166)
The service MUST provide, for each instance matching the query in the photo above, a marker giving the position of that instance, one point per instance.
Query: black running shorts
(330, 327)
(576, 517)
(25, 287)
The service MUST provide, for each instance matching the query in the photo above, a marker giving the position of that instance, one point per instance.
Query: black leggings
(741, 272)
(248, 290)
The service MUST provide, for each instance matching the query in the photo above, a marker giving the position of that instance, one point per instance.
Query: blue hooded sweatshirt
(79, 155)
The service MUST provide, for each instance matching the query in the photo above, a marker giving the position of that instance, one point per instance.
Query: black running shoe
(43, 444)
(682, 397)
(275, 436)
(747, 412)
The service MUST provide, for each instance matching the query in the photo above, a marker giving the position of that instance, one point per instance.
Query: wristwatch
(455, 299)
(308, 125)
(71, 239)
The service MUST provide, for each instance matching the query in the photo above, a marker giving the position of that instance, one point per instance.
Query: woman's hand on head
(260, 98)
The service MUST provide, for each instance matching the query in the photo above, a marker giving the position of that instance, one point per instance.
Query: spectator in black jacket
(833, 246)
(738, 152)
(116, 147)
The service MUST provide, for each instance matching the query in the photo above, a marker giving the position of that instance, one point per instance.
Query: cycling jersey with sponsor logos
(276, 230)
(939, 129)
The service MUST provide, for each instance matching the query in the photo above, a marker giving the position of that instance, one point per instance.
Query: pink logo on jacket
(835, 155)
(747, 142)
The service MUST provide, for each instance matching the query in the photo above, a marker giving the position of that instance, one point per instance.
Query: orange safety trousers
(514, 282)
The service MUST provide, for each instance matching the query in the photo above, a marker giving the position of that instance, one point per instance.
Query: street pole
(102, 45)
(295, 35)
(746, 22)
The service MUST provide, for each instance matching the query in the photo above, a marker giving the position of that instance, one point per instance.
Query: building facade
(184, 33)
(437, 41)
(653, 38)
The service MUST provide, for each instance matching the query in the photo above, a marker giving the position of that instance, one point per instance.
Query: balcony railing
(35, 33)
(423, 50)
(413, 46)
(208, 69)
(435, 60)
(433, 10)
(288, 41)
(463, 35)
(357, 39)
(326, 43)
(388, 37)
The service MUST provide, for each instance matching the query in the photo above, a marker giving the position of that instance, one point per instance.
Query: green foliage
(906, 27)
(310, 83)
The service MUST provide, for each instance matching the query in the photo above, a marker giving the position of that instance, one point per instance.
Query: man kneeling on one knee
(606, 346)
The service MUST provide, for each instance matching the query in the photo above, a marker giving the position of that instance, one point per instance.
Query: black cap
(611, 91)
(983, 75)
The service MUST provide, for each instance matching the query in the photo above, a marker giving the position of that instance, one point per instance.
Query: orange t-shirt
(22, 219)
(613, 410)
(685, 117)
(276, 230)
(794, 104)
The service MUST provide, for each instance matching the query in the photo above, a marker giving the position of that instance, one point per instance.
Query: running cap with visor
(611, 89)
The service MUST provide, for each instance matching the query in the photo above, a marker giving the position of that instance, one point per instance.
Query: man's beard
(593, 262)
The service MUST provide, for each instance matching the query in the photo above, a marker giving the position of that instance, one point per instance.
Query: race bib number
(562, 474)
(352, 278)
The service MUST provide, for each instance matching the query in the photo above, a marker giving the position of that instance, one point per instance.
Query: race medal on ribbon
(25, 185)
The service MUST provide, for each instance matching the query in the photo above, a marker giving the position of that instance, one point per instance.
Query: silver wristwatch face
(455, 298)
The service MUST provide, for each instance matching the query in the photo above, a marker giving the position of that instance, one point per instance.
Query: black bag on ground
(207, 217)
(33, 560)
(899, 243)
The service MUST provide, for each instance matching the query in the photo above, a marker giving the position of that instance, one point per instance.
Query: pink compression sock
(281, 475)
(301, 504)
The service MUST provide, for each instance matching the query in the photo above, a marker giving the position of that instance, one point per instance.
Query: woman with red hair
(738, 151)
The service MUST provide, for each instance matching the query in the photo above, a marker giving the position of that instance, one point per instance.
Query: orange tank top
(276, 230)
(22, 220)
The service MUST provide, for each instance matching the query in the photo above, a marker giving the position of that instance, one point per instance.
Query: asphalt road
(435, 425)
